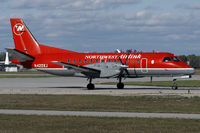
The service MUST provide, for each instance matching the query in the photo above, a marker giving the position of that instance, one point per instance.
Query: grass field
(101, 103)
(24, 74)
(197, 71)
(27, 76)
(180, 83)
(61, 124)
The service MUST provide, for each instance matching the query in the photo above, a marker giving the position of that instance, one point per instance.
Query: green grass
(23, 72)
(180, 83)
(102, 103)
(61, 124)
(26, 76)
(197, 71)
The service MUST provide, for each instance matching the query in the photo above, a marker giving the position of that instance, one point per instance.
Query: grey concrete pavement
(77, 86)
(100, 114)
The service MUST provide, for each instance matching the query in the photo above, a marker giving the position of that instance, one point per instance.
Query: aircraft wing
(85, 70)
(22, 57)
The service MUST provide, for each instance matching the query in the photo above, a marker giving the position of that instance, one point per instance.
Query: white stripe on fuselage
(127, 68)
(160, 68)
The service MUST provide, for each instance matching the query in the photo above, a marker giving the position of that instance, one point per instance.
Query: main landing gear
(90, 86)
(175, 86)
(120, 85)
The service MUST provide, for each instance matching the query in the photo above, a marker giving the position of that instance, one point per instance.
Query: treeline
(192, 60)
(3, 56)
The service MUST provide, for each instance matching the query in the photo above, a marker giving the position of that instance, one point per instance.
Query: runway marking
(100, 114)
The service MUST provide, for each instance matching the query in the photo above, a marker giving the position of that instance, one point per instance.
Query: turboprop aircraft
(29, 53)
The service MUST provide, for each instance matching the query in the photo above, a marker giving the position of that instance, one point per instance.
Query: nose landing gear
(175, 86)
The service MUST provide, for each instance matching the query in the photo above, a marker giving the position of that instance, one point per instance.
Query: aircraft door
(143, 65)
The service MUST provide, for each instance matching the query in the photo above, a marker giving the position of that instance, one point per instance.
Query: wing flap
(76, 67)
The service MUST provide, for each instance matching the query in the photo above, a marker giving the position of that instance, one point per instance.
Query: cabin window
(102, 61)
(79, 60)
(166, 59)
(74, 61)
(109, 60)
(115, 60)
(91, 61)
(138, 61)
(97, 60)
(175, 59)
(68, 61)
(85, 61)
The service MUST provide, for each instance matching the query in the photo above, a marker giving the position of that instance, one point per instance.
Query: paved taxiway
(100, 114)
(72, 85)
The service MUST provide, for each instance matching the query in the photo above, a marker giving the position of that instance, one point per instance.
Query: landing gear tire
(120, 86)
(174, 87)
(90, 86)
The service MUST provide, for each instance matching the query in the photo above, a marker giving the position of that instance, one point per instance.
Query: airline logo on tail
(19, 29)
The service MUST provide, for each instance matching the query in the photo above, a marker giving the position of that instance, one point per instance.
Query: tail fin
(26, 43)
(23, 39)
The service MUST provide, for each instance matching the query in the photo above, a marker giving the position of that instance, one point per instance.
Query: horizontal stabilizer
(76, 67)
(20, 56)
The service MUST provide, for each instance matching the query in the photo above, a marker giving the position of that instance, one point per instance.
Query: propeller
(124, 65)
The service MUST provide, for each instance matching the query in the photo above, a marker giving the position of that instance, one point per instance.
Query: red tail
(26, 43)
(23, 39)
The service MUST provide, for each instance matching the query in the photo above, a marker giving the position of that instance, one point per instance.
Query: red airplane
(30, 54)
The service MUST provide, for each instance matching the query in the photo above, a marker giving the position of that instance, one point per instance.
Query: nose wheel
(90, 86)
(175, 86)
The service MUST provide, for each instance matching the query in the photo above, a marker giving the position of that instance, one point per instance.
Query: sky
(106, 25)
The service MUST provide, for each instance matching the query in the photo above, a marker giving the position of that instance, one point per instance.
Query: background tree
(194, 61)
(183, 58)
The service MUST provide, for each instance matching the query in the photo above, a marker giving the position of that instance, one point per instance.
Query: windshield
(166, 59)
(175, 59)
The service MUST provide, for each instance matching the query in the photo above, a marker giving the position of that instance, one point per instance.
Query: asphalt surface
(100, 114)
(77, 86)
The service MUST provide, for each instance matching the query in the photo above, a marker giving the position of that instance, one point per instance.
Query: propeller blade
(120, 60)
(126, 71)
(127, 58)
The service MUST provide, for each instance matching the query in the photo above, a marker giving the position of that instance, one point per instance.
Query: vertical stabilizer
(23, 39)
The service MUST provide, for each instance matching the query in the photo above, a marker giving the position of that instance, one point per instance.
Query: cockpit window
(166, 59)
(175, 59)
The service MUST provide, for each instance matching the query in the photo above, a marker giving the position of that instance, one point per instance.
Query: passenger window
(79, 60)
(97, 60)
(74, 61)
(115, 60)
(175, 59)
(91, 61)
(138, 61)
(166, 59)
(102, 61)
(109, 60)
(85, 61)
(68, 61)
